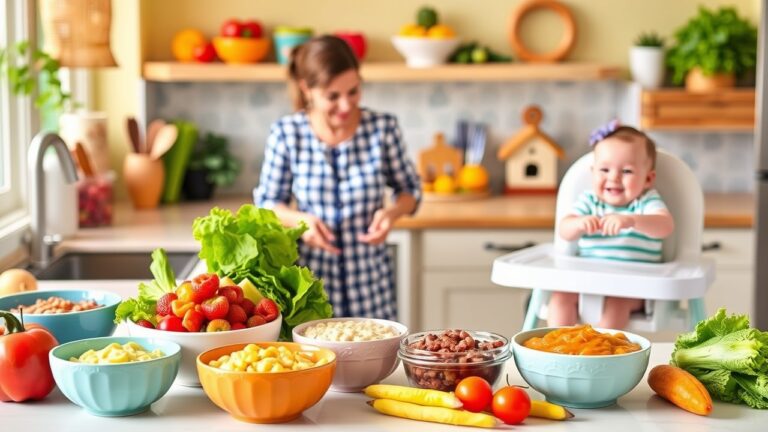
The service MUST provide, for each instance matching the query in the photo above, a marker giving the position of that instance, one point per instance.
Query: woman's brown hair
(317, 62)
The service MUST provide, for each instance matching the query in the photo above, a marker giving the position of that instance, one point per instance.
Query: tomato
(205, 53)
(231, 28)
(25, 372)
(171, 323)
(475, 393)
(251, 29)
(511, 404)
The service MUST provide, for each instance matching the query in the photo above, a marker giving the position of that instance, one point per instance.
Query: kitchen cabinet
(733, 288)
(388, 72)
(456, 288)
(677, 109)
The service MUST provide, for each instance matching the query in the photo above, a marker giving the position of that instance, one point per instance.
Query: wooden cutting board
(439, 159)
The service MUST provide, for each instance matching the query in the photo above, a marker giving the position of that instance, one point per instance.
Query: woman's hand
(614, 223)
(319, 235)
(380, 226)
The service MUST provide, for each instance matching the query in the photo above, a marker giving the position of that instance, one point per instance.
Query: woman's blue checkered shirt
(344, 186)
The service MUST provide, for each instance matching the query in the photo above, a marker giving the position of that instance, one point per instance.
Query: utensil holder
(144, 178)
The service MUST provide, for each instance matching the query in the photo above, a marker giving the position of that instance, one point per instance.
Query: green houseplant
(28, 69)
(646, 60)
(211, 165)
(713, 43)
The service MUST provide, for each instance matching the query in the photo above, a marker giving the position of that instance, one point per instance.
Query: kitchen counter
(188, 409)
(171, 226)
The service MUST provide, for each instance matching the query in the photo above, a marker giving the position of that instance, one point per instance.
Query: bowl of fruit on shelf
(427, 42)
(241, 42)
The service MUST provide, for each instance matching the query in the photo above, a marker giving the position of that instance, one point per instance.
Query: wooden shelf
(388, 72)
(677, 109)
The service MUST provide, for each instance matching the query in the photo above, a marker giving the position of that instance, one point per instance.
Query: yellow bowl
(266, 397)
(241, 50)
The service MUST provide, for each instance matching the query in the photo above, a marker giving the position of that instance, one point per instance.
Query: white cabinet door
(470, 301)
(733, 287)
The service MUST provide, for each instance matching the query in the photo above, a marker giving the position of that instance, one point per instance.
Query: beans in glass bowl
(440, 359)
(56, 305)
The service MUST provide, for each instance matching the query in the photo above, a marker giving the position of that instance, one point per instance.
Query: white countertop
(188, 409)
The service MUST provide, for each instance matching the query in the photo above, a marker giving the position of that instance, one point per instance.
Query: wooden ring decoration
(566, 42)
(532, 115)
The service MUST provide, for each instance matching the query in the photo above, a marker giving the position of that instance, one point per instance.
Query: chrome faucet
(41, 245)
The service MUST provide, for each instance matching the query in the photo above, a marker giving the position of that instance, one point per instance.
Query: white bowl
(358, 364)
(423, 52)
(193, 344)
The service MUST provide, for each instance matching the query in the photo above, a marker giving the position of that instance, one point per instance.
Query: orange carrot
(681, 388)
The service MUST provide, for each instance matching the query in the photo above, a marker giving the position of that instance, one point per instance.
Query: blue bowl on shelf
(285, 42)
(118, 389)
(70, 326)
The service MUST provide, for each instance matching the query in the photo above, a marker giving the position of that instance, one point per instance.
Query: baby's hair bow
(603, 131)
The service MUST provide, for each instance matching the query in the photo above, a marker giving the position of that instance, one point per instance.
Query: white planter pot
(647, 66)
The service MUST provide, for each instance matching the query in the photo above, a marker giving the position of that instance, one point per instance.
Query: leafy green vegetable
(143, 307)
(728, 357)
(254, 244)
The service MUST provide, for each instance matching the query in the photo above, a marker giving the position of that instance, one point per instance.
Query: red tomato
(25, 372)
(251, 29)
(171, 323)
(205, 53)
(475, 393)
(231, 28)
(511, 404)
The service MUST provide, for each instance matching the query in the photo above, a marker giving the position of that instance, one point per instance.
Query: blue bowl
(67, 327)
(580, 381)
(120, 389)
(285, 42)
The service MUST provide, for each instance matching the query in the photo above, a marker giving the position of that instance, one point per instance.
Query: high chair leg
(696, 311)
(538, 299)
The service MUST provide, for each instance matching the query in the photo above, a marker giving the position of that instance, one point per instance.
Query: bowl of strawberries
(204, 313)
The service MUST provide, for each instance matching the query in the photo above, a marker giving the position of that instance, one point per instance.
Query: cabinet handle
(493, 247)
(711, 246)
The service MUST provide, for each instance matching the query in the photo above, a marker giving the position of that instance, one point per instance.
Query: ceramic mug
(144, 177)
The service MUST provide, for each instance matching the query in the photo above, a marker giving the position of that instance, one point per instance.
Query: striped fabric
(344, 186)
(629, 245)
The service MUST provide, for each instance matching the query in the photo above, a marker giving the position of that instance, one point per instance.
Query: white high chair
(683, 274)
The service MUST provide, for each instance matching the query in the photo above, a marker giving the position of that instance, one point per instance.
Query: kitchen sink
(112, 265)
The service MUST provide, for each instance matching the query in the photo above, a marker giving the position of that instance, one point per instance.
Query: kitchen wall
(142, 30)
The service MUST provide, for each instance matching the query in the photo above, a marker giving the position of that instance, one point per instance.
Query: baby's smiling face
(622, 170)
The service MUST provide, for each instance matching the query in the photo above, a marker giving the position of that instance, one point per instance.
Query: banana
(548, 410)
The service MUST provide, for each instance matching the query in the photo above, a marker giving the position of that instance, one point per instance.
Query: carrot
(681, 388)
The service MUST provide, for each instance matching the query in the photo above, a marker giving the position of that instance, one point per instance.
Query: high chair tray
(538, 267)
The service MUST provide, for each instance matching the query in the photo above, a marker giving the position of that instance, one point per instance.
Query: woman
(335, 159)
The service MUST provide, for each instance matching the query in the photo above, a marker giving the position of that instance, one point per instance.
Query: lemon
(250, 291)
(444, 184)
(473, 178)
(440, 31)
(413, 30)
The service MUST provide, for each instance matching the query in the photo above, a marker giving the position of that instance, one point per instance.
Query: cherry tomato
(511, 404)
(475, 393)
(251, 29)
(171, 323)
(231, 28)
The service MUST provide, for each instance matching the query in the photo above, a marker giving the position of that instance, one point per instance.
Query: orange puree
(582, 340)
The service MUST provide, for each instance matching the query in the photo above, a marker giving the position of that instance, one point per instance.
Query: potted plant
(712, 50)
(211, 165)
(29, 69)
(646, 60)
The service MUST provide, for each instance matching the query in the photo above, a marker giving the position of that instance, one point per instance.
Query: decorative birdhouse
(530, 158)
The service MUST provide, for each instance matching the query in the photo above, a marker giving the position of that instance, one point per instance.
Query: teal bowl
(285, 42)
(580, 381)
(120, 389)
(70, 326)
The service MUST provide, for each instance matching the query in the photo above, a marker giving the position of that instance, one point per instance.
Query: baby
(621, 218)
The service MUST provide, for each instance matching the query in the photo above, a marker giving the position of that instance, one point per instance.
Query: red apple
(231, 28)
(355, 40)
(205, 53)
(251, 29)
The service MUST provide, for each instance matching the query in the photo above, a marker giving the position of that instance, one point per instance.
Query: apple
(205, 53)
(355, 40)
(251, 29)
(231, 28)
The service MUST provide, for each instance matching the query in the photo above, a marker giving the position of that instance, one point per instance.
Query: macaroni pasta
(116, 353)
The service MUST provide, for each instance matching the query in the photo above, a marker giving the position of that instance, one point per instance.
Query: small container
(95, 200)
(285, 41)
(443, 369)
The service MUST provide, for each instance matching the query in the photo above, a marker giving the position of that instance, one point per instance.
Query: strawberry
(236, 314)
(233, 293)
(255, 320)
(268, 309)
(215, 308)
(218, 325)
(238, 326)
(248, 306)
(204, 287)
(163, 306)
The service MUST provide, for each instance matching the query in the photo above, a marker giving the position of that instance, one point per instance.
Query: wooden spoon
(152, 130)
(133, 134)
(83, 160)
(164, 140)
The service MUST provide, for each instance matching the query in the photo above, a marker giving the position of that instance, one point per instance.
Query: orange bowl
(241, 50)
(266, 397)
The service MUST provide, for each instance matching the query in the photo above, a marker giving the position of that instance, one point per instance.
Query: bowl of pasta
(70, 314)
(266, 382)
(115, 376)
(366, 349)
(580, 366)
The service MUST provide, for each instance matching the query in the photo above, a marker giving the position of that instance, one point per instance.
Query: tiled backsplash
(244, 112)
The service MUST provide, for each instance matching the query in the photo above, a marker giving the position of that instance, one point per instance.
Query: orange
(413, 30)
(444, 184)
(440, 31)
(184, 44)
(473, 178)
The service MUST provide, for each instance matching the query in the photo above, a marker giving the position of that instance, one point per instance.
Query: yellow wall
(606, 28)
